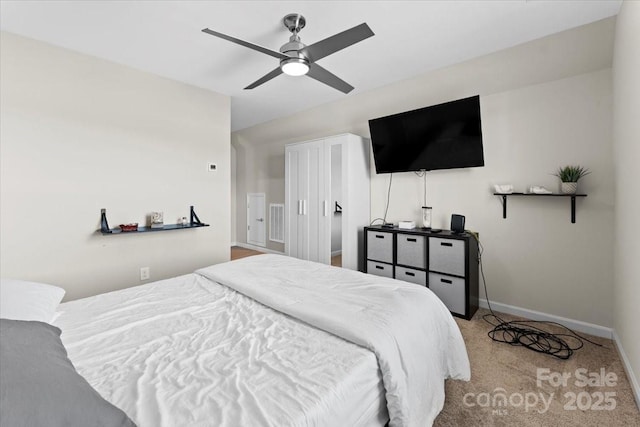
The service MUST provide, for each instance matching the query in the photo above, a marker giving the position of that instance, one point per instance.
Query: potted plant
(569, 175)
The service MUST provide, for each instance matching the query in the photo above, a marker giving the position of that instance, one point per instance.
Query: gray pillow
(39, 385)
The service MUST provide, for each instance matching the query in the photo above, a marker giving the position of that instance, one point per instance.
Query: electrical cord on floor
(526, 333)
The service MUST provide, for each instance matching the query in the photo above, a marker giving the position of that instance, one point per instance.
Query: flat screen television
(443, 136)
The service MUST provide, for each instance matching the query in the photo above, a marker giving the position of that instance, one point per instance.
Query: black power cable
(386, 209)
(526, 333)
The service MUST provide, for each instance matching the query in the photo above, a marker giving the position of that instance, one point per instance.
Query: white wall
(626, 132)
(79, 134)
(544, 104)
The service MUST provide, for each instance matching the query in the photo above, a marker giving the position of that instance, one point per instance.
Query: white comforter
(416, 341)
(189, 352)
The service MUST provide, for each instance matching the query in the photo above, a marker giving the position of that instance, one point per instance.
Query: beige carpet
(498, 368)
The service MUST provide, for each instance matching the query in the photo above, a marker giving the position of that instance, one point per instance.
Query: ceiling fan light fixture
(294, 66)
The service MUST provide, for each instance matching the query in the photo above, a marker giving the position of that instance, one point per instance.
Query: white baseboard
(335, 253)
(576, 325)
(633, 380)
(256, 248)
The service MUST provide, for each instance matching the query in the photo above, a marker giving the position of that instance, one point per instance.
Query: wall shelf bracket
(194, 218)
(104, 225)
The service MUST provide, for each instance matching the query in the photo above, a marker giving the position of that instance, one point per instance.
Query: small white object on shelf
(503, 188)
(407, 225)
(535, 189)
(157, 219)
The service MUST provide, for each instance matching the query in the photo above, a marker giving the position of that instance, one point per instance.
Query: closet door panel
(315, 213)
(296, 183)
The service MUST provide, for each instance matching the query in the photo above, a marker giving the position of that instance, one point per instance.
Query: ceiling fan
(297, 59)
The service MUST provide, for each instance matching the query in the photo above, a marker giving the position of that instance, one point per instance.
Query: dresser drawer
(411, 250)
(380, 246)
(410, 275)
(447, 256)
(380, 269)
(450, 290)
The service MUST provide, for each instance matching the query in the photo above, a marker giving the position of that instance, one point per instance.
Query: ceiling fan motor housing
(294, 48)
(294, 23)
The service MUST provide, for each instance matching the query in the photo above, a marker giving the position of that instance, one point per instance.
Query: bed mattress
(188, 351)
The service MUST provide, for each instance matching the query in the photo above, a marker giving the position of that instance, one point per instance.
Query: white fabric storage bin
(450, 290)
(410, 275)
(411, 250)
(447, 256)
(380, 246)
(380, 269)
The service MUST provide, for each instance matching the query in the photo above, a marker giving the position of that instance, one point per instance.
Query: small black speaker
(457, 223)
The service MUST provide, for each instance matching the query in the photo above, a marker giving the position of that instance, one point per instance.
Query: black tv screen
(443, 136)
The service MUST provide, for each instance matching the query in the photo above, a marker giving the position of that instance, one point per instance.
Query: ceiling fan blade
(328, 78)
(246, 44)
(265, 78)
(337, 42)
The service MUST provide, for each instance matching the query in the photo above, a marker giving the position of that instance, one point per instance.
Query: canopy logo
(500, 402)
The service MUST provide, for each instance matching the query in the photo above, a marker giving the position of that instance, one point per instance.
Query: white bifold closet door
(310, 206)
(306, 202)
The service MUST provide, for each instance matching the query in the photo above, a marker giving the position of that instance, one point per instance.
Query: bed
(267, 341)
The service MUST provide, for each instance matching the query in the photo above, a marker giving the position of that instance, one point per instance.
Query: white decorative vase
(426, 216)
(569, 187)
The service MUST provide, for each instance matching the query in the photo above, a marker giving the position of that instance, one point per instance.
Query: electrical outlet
(145, 273)
(212, 167)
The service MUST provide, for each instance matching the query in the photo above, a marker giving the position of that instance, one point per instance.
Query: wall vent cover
(276, 222)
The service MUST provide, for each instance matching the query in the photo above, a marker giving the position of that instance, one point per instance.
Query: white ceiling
(412, 37)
